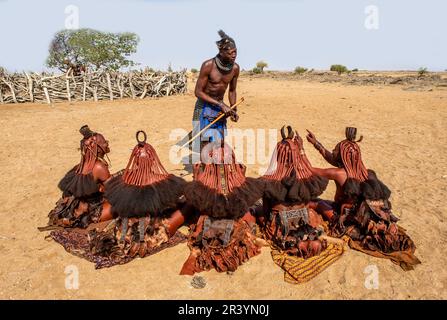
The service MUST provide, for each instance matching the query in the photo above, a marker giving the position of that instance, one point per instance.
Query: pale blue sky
(285, 33)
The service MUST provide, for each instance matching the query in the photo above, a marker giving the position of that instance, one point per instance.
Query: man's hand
(233, 115)
(229, 112)
(225, 109)
(311, 137)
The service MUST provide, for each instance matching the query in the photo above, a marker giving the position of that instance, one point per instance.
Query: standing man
(215, 76)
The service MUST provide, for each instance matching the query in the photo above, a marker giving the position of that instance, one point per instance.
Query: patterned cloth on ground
(299, 270)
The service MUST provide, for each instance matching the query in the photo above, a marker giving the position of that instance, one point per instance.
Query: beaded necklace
(223, 67)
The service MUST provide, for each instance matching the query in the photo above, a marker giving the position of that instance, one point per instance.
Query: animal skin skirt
(221, 244)
(76, 212)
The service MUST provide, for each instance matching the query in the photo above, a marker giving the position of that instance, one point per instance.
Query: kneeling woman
(82, 187)
(362, 209)
(144, 199)
(288, 220)
(223, 235)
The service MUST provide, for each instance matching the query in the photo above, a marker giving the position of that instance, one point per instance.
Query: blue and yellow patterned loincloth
(204, 114)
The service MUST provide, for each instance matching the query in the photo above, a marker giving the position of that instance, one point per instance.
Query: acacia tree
(339, 68)
(91, 49)
(261, 65)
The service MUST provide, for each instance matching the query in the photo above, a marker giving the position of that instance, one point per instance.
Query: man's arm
(232, 95)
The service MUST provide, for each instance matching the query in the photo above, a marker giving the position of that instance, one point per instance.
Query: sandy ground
(404, 142)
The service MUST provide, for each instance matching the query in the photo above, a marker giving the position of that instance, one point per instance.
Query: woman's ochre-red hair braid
(222, 174)
(144, 166)
(287, 158)
(89, 151)
(351, 156)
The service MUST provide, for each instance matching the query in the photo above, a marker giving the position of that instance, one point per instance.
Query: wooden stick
(47, 95)
(132, 89)
(215, 120)
(95, 96)
(84, 89)
(67, 84)
(109, 85)
(30, 87)
(144, 92)
(11, 87)
(120, 88)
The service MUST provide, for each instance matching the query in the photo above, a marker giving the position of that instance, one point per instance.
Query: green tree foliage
(300, 70)
(339, 68)
(149, 69)
(422, 72)
(91, 49)
(261, 65)
(257, 70)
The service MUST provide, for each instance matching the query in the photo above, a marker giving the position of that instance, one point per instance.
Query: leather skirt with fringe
(118, 241)
(75, 212)
(220, 244)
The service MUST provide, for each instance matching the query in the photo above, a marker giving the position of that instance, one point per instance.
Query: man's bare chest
(217, 77)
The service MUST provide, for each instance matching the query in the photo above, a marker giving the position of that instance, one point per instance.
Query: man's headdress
(226, 42)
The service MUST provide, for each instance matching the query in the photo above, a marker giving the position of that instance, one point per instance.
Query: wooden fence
(49, 88)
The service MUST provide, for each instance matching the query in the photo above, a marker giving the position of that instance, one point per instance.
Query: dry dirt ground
(404, 141)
